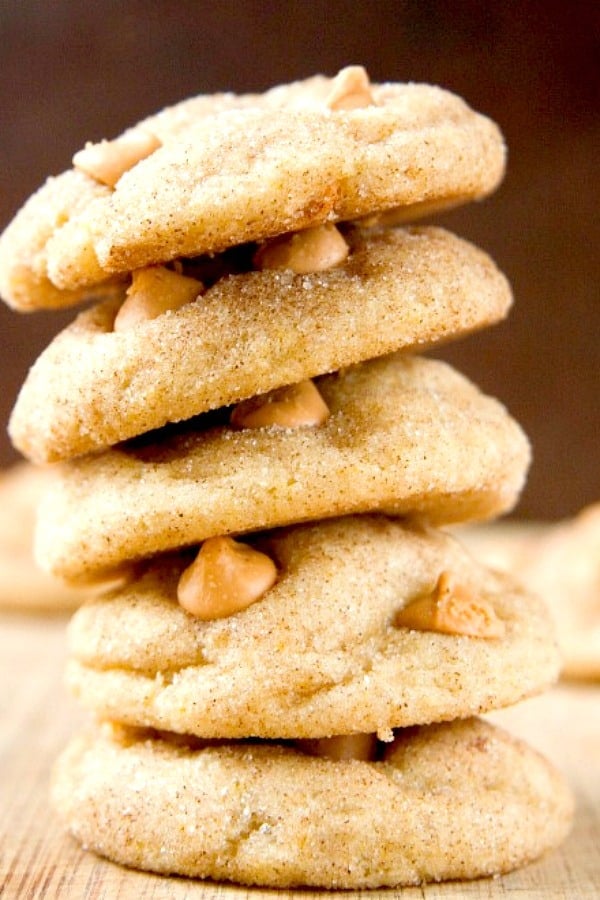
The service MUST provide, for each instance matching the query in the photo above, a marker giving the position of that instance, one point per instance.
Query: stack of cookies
(286, 676)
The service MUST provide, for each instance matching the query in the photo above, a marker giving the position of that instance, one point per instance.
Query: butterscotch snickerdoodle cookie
(454, 801)
(97, 384)
(401, 434)
(333, 651)
(182, 183)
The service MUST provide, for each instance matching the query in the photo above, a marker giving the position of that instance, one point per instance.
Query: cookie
(23, 585)
(326, 640)
(306, 158)
(248, 334)
(404, 434)
(443, 802)
(24, 283)
(560, 562)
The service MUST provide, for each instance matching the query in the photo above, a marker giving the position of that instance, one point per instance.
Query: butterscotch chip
(407, 435)
(350, 89)
(237, 169)
(152, 292)
(252, 333)
(295, 406)
(225, 578)
(108, 160)
(344, 746)
(450, 609)
(311, 250)
(322, 638)
(457, 801)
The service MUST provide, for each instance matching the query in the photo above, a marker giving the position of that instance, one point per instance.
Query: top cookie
(221, 170)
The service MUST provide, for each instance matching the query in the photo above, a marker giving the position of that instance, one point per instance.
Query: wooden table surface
(37, 859)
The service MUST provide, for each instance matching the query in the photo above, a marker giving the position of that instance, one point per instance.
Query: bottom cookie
(453, 801)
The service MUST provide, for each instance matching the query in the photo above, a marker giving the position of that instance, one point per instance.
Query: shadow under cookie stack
(288, 662)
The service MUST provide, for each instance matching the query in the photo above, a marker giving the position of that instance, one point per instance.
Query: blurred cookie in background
(560, 562)
(23, 586)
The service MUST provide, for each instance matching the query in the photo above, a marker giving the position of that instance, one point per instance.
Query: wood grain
(38, 860)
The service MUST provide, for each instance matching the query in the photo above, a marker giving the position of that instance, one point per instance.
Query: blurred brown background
(77, 71)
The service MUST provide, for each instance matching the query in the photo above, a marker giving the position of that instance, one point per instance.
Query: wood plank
(38, 860)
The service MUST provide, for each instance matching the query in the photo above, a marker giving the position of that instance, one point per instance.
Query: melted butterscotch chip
(152, 292)
(106, 161)
(347, 746)
(104, 580)
(351, 89)
(225, 578)
(451, 609)
(294, 406)
(311, 250)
